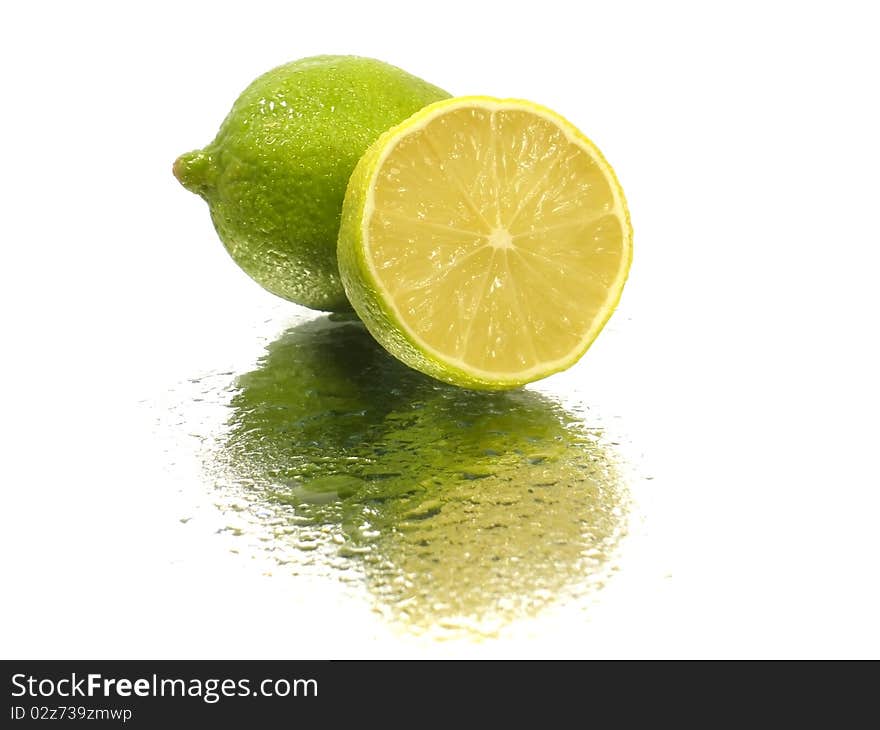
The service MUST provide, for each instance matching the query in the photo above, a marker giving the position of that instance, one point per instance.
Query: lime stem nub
(193, 170)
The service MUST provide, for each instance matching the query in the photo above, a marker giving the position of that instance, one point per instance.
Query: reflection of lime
(462, 508)
(484, 241)
(275, 175)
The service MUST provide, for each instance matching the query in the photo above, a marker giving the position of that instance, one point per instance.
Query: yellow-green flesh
(493, 234)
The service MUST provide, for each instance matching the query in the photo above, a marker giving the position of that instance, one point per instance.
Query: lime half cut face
(485, 242)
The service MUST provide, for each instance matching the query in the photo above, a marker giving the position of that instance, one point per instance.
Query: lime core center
(500, 238)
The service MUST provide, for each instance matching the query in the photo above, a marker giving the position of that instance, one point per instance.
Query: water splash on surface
(458, 510)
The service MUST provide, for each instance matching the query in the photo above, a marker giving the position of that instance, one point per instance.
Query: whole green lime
(275, 175)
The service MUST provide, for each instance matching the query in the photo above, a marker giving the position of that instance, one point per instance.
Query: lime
(275, 175)
(484, 242)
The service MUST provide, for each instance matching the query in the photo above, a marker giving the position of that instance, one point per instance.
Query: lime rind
(275, 174)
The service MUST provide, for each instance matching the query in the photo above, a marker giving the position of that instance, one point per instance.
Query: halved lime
(484, 242)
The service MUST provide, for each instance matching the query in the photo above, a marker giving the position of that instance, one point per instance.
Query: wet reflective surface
(458, 511)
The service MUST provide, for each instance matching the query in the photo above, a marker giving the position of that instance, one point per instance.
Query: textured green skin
(275, 176)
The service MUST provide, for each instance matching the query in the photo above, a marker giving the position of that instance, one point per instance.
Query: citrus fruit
(275, 175)
(484, 242)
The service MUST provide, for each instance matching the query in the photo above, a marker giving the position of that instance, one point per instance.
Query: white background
(743, 363)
